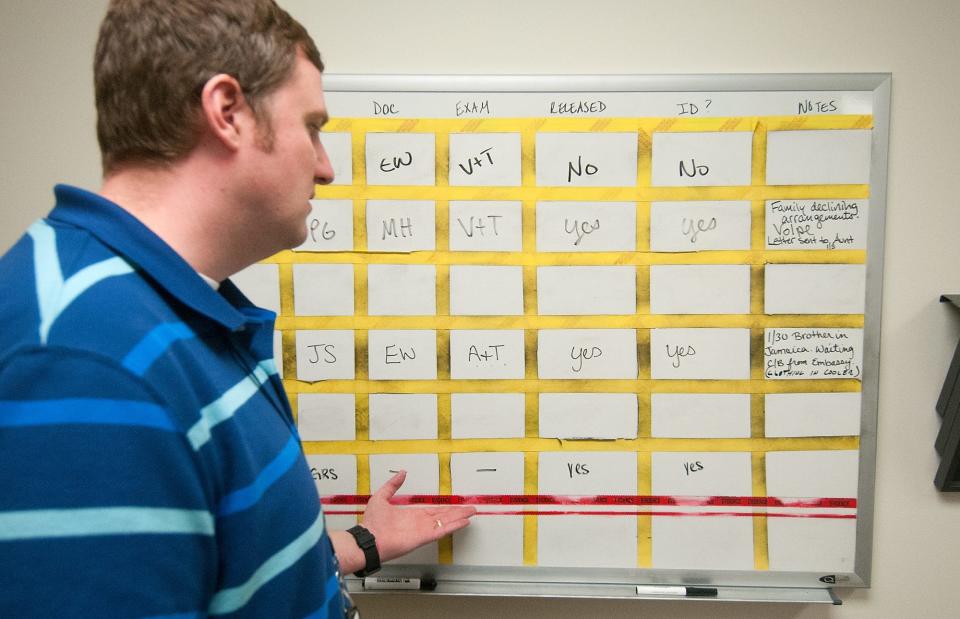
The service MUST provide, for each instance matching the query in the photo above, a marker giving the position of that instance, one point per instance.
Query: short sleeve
(104, 509)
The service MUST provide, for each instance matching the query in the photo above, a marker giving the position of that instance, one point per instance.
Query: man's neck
(189, 211)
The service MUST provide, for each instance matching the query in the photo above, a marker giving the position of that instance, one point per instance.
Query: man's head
(154, 57)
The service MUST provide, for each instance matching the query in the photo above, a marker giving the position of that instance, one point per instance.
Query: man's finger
(390, 487)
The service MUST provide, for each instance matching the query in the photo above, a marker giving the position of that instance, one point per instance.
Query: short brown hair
(153, 58)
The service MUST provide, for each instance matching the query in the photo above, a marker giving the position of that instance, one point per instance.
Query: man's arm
(398, 530)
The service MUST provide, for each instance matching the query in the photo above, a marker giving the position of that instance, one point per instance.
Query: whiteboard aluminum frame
(609, 583)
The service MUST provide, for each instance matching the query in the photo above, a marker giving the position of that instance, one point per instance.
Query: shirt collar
(126, 235)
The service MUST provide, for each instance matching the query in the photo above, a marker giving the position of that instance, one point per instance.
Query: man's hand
(398, 530)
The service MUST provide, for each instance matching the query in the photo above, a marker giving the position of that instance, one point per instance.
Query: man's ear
(226, 113)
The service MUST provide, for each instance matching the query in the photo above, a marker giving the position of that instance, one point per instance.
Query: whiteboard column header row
(467, 105)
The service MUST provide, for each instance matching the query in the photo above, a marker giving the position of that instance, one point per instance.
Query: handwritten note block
(401, 159)
(700, 415)
(586, 226)
(488, 541)
(702, 542)
(401, 225)
(487, 415)
(401, 290)
(816, 224)
(483, 225)
(325, 355)
(709, 473)
(486, 290)
(702, 158)
(323, 289)
(587, 353)
(261, 284)
(486, 354)
(584, 473)
(402, 355)
(485, 159)
(403, 416)
(586, 290)
(587, 541)
(819, 157)
(699, 226)
(588, 415)
(700, 289)
(487, 473)
(812, 414)
(327, 416)
(333, 475)
(423, 472)
(812, 353)
(586, 159)
(339, 148)
(708, 354)
(329, 226)
(814, 288)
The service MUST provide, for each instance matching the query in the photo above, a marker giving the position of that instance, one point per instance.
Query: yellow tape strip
(442, 292)
(289, 340)
(360, 291)
(530, 486)
(594, 194)
(359, 234)
(760, 546)
(757, 416)
(445, 545)
(443, 355)
(644, 445)
(442, 218)
(531, 322)
(758, 257)
(756, 354)
(644, 523)
(288, 337)
(363, 416)
(363, 385)
(363, 473)
(643, 291)
(360, 126)
(361, 364)
(531, 420)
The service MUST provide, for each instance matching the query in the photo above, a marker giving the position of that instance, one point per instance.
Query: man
(151, 466)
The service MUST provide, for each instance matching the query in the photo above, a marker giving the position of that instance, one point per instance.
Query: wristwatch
(368, 544)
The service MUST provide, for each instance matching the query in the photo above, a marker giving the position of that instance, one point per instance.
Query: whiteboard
(633, 319)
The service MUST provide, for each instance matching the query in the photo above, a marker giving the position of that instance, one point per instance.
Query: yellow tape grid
(528, 193)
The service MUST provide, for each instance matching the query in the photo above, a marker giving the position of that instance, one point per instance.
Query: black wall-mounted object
(948, 406)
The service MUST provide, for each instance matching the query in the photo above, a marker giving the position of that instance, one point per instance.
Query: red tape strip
(603, 499)
(632, 513)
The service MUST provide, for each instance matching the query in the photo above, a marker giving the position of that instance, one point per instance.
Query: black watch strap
(368, 544)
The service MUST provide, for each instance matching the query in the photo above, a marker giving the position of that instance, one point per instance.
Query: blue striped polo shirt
(149, 462)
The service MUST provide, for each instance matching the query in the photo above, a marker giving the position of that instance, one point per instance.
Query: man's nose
(323, 172)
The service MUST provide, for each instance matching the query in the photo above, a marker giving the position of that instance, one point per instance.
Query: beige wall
(47, 136)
